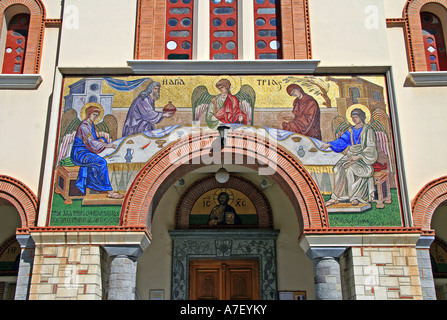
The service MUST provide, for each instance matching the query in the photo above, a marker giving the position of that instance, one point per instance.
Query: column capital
(25, 241)
(131, 251)
(325, 252)
(424, 242)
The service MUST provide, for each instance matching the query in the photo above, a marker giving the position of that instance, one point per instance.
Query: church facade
(223, 150)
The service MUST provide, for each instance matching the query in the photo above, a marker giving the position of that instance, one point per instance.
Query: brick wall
(380, 273)
(66, 273)
(150, 31)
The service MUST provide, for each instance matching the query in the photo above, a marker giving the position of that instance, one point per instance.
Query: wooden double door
(224, 280)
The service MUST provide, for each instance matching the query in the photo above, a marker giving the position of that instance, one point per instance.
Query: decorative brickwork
(150, 33)
(295, 29)
(22, 198)
(66, 272)
(411, 21)
(161, 172)
(150, 30)
(426, 201)
(189, 197)
(36, 31)
(381, 273)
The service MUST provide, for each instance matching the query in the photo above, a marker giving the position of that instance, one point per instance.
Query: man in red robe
(306, 113)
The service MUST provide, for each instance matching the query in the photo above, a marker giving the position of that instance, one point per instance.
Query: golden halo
(234, 84)
(219, 191)
(358, 106)
(101, 113)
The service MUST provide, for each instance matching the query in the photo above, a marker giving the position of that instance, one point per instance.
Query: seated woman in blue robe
(93, 171)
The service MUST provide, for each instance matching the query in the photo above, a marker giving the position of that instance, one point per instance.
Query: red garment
(230, 111)
(379, 166)
(306, 117)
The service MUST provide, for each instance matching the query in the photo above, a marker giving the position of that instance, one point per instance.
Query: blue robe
(345, 140)
(93, 171)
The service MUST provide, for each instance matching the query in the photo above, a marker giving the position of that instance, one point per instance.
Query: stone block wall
(381, 273)
(105, 272)
(66, 273)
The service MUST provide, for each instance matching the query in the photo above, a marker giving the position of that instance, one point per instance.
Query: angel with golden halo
(87, 144)
(224, 107)
(354, 172)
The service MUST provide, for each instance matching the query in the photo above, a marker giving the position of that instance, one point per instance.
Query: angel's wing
(69, 124)
(108, 128)
(200, 100)
(339, 126)
(112, 124)
(247, 100)
(380, 122)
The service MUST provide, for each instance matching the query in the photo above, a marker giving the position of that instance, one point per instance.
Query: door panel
(224, 280)
(208, 284)
(240, 284)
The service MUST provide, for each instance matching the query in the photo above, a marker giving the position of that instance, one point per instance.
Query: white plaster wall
(394, 8)
(98, 33)
(23, 115)
(295, 269)
(421, 113)
(348, 33)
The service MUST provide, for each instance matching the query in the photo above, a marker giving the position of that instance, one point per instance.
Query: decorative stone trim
(428, 78)
(88, 236)
(228, 67)
(190, 196)
(358, 240)
(20, 81)
(364, 230)
(223, 244)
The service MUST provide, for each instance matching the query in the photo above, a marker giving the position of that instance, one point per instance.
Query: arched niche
(246, 198)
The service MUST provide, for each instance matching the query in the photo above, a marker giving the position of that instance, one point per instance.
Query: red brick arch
(161, 172)
(411, 16)
(247, 187)
(426, 201)
(22, 198)
(36, 30)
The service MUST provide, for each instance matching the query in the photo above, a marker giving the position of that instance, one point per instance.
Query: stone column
(123, 271)
(25, 267)
(327, 276)
(425, 270)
